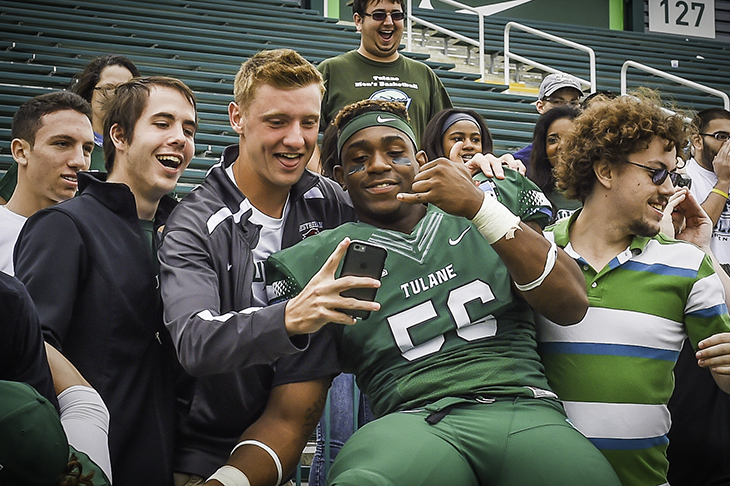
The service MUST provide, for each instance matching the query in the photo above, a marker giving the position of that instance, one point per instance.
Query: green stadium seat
(46, 42)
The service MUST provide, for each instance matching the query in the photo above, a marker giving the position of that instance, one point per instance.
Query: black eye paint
(402, 161)
(356, 168)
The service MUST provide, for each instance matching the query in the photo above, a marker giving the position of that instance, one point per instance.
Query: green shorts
(509, 442)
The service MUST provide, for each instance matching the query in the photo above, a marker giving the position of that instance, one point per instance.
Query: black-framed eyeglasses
(719, 136)
(381, 15)
(658, 176)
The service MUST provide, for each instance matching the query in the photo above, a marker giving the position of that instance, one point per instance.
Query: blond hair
(280, 68)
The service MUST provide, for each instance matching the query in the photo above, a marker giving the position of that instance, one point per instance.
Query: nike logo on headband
(384, 120)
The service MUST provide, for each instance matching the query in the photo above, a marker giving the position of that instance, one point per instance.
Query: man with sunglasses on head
(647, 292)
(377, 71)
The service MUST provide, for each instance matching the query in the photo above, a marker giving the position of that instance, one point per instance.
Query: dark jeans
(341, 425)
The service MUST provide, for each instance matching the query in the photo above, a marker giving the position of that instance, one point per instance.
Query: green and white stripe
(613, 370)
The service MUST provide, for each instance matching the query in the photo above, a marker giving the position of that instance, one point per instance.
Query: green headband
(373, 119)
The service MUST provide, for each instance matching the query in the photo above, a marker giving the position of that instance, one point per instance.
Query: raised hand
(446, 183)
(316, 304)
(493, 166)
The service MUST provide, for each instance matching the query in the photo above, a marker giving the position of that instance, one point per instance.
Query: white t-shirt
(270, 236)
(703, 181)
(10, 225)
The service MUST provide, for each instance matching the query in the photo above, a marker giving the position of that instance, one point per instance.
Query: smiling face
(379, 39)
(555, 132)
(463, 131)
(636, 199)
(277, 135)
(161, 148)
(62, 147)
(378, 163)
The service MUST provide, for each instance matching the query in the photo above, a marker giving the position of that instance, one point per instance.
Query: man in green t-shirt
(376, 70)
(449, 361)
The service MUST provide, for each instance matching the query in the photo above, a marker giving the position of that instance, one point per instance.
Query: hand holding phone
(318, 302)
(362, 260)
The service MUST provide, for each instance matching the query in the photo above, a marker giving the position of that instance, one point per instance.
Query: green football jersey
(519, 194)
(450, 323)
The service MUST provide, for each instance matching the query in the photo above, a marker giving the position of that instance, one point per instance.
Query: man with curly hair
(647, 292)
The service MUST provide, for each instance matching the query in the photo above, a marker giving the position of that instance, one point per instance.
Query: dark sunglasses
(379, 16)
(719, 136)
(658, 176)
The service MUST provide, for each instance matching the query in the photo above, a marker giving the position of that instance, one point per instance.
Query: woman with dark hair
(550, 127)
(453, 125)
(96, 84)
(96, 72)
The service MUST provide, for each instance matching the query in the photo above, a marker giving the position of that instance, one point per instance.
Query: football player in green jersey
(449, 360)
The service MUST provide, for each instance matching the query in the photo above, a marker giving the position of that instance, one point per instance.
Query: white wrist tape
(230, 476)
(494, 220)
(268, 449)
(552, 256)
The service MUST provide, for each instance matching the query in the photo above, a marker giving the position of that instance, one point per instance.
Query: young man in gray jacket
(257, 370)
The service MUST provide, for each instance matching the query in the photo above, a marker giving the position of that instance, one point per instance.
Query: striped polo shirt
(613, 370)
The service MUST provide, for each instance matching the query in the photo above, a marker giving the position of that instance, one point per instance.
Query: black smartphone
(362, 260)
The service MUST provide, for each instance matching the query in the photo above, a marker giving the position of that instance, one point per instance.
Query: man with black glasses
(376, 70)
(710, 173)
(699, 441)
(558, 89)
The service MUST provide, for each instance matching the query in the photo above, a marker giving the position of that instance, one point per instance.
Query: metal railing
(671, 77)
(479, 44)
(510, 55)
